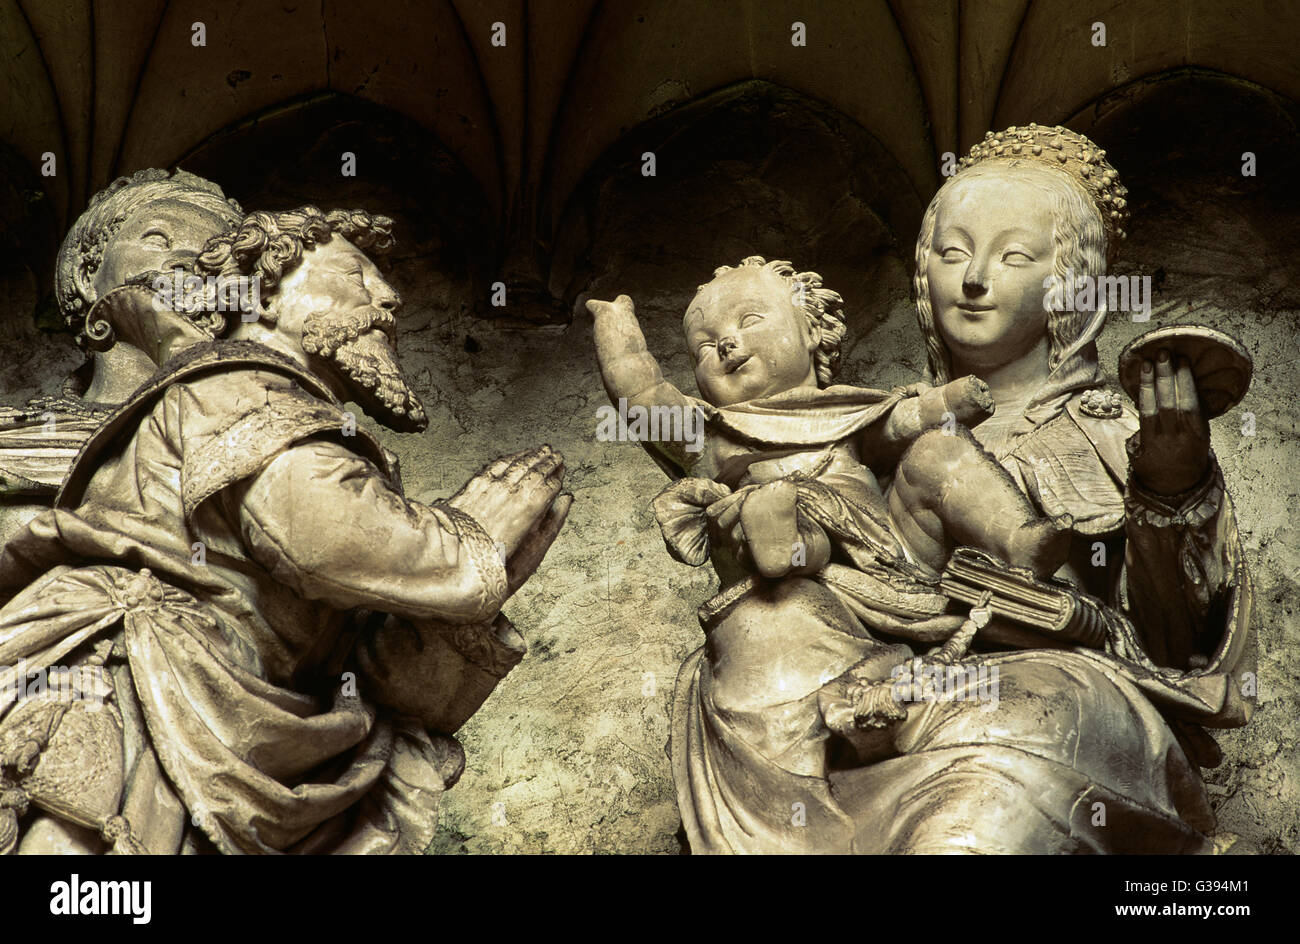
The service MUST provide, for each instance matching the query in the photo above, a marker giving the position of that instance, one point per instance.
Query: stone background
(568, 754)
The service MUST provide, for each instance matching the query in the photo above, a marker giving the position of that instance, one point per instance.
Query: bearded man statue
(270, 645)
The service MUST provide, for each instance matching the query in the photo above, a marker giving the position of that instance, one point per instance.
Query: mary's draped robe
(1082, 751)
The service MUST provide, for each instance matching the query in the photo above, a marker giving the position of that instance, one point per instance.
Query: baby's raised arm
(628, 369)
(631, 373)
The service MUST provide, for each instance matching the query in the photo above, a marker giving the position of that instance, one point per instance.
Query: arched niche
(29, 242)
(753, 169)
(1210, 161)
(1058, 64)
(293, 154)
(637, 62)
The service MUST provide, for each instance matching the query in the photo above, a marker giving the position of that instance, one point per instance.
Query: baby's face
(748, 339)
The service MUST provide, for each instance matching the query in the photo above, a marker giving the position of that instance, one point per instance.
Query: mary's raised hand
(1172, 449)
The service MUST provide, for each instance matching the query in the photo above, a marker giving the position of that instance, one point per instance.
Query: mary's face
(991, 253)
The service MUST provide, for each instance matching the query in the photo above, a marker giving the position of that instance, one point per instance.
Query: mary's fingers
(1166, 399)
(1147, 396)
(1186, 399)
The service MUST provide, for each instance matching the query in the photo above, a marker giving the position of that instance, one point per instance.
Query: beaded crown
(1067, 151)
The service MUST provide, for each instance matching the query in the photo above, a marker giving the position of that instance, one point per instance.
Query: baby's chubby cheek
(707, 386)
(721, 389)
(780, 358)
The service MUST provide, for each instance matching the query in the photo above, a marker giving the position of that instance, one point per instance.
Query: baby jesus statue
(779, 437)
(783, 488)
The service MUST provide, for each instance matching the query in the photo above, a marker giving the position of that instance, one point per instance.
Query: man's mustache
(325, 331)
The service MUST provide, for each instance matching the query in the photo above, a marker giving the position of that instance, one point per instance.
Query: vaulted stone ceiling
(109, 87)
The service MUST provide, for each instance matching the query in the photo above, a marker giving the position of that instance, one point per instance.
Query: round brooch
(1101, 404)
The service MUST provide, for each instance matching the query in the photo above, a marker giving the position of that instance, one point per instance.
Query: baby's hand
(770, 522)
(619, 307)
(764, 527)
(966, 401)
(765, 522)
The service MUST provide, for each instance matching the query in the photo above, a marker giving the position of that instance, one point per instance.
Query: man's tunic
(240, 546)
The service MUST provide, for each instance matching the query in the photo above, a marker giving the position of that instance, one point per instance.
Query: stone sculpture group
(240, 672)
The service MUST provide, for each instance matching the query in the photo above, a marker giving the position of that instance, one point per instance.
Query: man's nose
(726, 346)
(388, 300)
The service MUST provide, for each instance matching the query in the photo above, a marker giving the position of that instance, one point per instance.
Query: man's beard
(368, 362)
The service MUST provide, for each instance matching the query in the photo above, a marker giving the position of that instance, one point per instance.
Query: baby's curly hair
(817, 302)
(271, 244)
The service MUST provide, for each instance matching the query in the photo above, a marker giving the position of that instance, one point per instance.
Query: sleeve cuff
(487, 560)
(495, 647)
(1189, 509)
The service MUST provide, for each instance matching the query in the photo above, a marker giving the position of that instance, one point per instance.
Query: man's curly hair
(271, 244)
(817, 302)
(83, 248)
